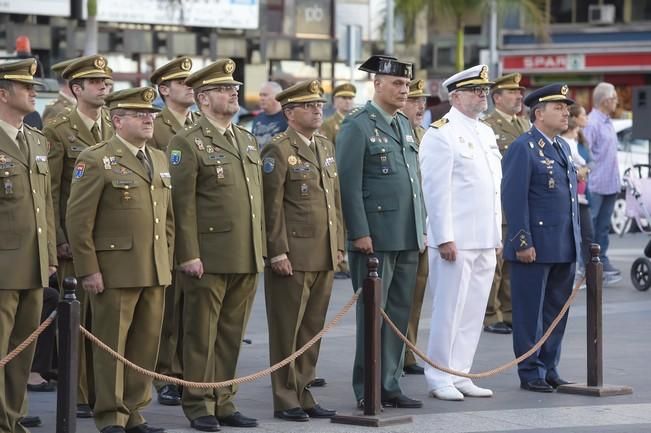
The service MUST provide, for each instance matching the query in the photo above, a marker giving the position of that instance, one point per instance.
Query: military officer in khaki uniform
(216, 173)
(414, 110)
(28, 243)
(507, 125)
(66, 100)
(70, 132)
(304, 244)
(178, 98)
(120, 206)
(343, 99)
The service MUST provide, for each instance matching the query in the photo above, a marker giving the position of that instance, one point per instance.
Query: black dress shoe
(144, 428)
(84, 411)
(413, 369)
(42, 387)
(320, 412)
(205, 423)
(318, 382)
(169, 395)
(30, 421)
(113, 429)
(537, 385)
(236, 419)
(498, 328)
(293, 414)
(555, 382)
(403, 402)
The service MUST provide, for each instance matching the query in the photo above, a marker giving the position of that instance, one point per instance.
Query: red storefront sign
(575, 62)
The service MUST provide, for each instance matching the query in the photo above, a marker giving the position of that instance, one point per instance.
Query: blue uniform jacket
(539, 199)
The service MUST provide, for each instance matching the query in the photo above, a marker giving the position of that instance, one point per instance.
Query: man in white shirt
(461, 171)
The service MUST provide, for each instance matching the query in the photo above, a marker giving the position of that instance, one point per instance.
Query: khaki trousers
(129, 321)
(216, 309)
(417, 306)
(170, 353)
(20, 313)
(296, 310)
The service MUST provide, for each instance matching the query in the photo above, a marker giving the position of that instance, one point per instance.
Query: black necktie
(188, 122)
(22, 144)
(95, 132)
(145, 162)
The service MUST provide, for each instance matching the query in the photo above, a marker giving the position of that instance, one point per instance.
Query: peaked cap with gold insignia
(220, 72)
(417, 89)
(21, 71)
(59, 67)
(556, 92)
(345, 89)
(508, 82)
(138, 99)
(471, 77)
(305, 91)
(175, 70)
(87, 67)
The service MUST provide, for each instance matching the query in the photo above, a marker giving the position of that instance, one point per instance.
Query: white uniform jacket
(461, 171)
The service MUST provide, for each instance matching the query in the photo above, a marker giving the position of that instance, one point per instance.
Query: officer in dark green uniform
(121, 210)
(28, 240)
(377, 157)
(216, 173)
(71, 131)
(304, 242)
(414, 110)
(178, 98)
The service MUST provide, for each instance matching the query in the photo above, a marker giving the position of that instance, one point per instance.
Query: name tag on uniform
(165, 175)
(409, 138)
(41, 158)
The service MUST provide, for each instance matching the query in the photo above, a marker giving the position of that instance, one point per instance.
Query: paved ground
(627, 327)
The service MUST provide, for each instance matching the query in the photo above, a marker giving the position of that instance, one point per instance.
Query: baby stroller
(637, 181)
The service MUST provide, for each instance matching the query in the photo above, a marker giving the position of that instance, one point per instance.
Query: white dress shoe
(449, 393)
(469, 389)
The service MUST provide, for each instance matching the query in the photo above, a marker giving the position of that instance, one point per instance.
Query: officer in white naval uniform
(461, 170)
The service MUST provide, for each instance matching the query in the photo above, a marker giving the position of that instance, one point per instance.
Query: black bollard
(68, 363)
(594, 335)
(372, 293)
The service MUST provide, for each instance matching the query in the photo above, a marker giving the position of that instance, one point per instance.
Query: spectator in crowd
(604, 184)
(271, 121)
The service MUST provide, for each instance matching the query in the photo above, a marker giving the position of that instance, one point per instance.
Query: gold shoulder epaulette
(279, 137)
(439, 123)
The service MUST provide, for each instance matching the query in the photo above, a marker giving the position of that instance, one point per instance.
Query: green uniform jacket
(67, 136)
(378, 172)
(123, 223)
(27, 238)
(218, 199)
(505, 131)
(331, 125)
(165, 127)
(302, 202)
(60, 105)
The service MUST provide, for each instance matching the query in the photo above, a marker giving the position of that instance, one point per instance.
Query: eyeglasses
(311, 105)
(479, 91)
(224, 88)
(140, 114)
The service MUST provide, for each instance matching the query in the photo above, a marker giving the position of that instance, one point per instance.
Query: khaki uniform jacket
(419, 131)
(505, 131)
(165, 127)
(218, 199)
(60, 105)
(27, 238)
(67, 136)
(123, 223)
(331, 125)
(302, 202)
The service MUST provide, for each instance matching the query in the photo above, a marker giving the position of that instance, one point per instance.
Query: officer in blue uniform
(540, 204)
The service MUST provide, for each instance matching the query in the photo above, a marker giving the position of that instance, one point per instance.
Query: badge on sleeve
(79, 170)
(175, 157)
(268, 164)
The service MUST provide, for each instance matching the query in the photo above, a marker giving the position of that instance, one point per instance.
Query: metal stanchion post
(68, 362)
(372, 297)
(594, 385)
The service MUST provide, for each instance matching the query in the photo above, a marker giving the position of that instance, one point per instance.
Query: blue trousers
(601, 209)
(539, 291)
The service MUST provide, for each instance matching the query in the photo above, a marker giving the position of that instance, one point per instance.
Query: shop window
(581, 8)
(561, 11)
(641, 10)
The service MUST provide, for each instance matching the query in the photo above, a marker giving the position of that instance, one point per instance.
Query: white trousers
(460, 292)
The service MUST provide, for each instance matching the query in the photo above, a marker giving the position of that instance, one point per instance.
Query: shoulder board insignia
(279, 137)
(439, 123)
(400, 113)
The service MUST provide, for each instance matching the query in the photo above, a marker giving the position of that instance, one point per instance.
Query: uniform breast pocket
(221, 168)
(255, 165)
(12, 184)
(381, 159)
(126, 194)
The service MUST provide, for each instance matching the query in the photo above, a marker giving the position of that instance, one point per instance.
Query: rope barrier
(29, 340)
(236, 381)
(501, 368)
